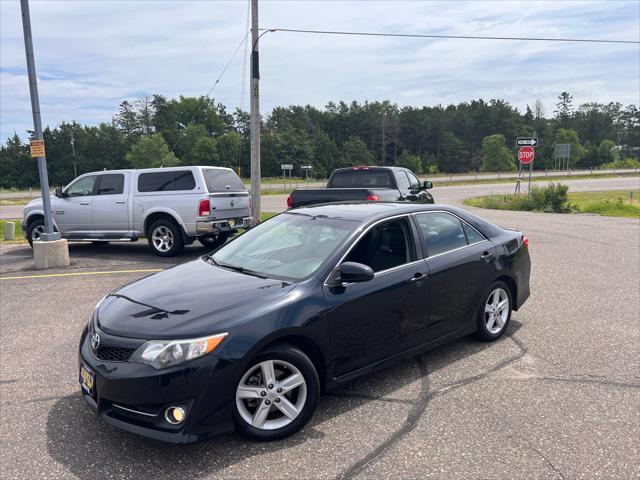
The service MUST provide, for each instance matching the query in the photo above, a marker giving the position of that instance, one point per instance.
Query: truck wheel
(35, 229)
(214, 241)
(165, 238)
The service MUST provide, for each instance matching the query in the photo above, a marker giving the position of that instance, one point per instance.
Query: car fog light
(174, 415)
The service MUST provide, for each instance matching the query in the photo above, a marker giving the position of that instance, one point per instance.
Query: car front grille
(113, 354)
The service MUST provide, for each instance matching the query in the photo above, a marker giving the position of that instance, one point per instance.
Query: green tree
(150, 152)
(355, 152)
(412, 162)
(607, 152)
(496, 156)
(564, 109)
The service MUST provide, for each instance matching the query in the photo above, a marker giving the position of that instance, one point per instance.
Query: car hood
(190, 300)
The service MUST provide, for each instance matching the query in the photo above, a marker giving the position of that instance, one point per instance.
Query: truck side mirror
(59, 193)
(427, 185)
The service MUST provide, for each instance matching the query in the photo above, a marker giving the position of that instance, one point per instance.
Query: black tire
(171, 243)
(35, 225)
(500, 320)
(294, 356)
(214, 241)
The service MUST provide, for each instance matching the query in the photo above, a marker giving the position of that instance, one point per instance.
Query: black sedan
(248, 336)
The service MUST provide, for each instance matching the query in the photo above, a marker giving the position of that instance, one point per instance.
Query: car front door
(373, 320)
(73, 211)
(461, 266)
(416, 192)
(109, 207)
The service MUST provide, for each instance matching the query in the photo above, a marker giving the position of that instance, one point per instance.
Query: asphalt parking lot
(557, 397)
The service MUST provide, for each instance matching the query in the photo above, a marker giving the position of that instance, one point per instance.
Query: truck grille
(113, 354)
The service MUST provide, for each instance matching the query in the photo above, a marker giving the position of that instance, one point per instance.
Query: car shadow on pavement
(78, 439)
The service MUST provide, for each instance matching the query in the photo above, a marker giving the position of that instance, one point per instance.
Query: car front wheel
(277, 394)
(495, 312)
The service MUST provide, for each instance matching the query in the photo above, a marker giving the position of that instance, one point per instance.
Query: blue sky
(92, 55)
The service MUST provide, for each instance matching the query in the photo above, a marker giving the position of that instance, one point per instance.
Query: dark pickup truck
(360, 184)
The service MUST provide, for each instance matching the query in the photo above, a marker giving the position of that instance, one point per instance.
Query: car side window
(82, 187)
(166, 181)
(403, 181)
(111, 184)
(414, 183)
(385, 246)
(472, 234)
(442, 232)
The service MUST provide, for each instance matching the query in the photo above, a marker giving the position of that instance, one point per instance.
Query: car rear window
(219, 180)
(361, 179)
(170, 180)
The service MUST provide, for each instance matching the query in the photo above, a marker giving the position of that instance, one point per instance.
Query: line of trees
(470, 136)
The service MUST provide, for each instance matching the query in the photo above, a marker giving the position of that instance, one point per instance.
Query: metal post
(73, 152)
(255, 115)
(37, 123)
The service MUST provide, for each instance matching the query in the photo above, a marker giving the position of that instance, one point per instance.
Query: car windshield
(290, 246)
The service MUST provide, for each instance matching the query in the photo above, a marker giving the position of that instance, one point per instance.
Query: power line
(235, 52)
(458, 37)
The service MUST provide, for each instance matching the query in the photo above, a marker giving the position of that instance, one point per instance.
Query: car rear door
(227, 196)
(374, 320)
(110, 209)
(461, 266)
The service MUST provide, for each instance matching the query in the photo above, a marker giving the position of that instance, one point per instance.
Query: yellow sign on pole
(37, 148)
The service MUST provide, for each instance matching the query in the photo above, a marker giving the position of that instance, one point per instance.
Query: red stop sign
(526, 155)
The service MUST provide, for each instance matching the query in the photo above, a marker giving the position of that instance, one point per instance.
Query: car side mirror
(351, 272)
(427, 185)
(59, 193)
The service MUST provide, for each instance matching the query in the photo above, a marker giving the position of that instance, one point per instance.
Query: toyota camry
(248, 336)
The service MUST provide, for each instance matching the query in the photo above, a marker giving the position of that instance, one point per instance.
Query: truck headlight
(168, 353)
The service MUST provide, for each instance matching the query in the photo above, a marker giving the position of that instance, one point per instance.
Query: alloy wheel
(271, 395)
(37, 232)
(162, 238)
(496, 311)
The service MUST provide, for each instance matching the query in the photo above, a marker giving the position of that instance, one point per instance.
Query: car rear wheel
(277, 394)
(165, 238)
(214, 241)
(495, 313)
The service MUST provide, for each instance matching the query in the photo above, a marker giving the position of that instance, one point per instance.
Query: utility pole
(37, 123)
(73, 153)
(255, 116)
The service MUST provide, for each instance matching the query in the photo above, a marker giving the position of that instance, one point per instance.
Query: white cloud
(91, 55)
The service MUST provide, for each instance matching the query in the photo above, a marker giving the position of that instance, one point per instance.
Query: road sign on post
(526, 141)
(526, 155)
(563, 154)
(286, 167)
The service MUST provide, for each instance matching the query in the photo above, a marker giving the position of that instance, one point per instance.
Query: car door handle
(120, 201)
(418, 277)
(486, 256)
(84, 203)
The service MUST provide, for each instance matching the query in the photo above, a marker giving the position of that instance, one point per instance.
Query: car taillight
(204, 208)
(525, 242)
(289, 202)
(372, 198)
(361, 167)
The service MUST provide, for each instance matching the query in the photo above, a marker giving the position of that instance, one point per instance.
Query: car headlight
(168, 353)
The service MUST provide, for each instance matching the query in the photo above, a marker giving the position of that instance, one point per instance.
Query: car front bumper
(228, 224)
(135, 396)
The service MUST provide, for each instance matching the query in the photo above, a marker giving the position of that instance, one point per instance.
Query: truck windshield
(361, 179)
(222, 180)
(290, 246)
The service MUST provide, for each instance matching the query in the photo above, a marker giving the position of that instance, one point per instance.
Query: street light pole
(37, 123)
(255, 116)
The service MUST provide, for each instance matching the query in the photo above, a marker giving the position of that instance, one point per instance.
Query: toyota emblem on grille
(95, 341)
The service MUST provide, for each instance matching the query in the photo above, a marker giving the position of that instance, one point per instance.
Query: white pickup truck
(171, 207)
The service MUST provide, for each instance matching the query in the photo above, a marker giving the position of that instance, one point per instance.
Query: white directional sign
(526, 141)
(286, 166)
(306, 167)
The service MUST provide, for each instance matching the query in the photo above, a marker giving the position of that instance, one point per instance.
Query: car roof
(368, 212)
(158, 169)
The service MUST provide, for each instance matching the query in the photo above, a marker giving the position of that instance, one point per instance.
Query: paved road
(558, 397)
